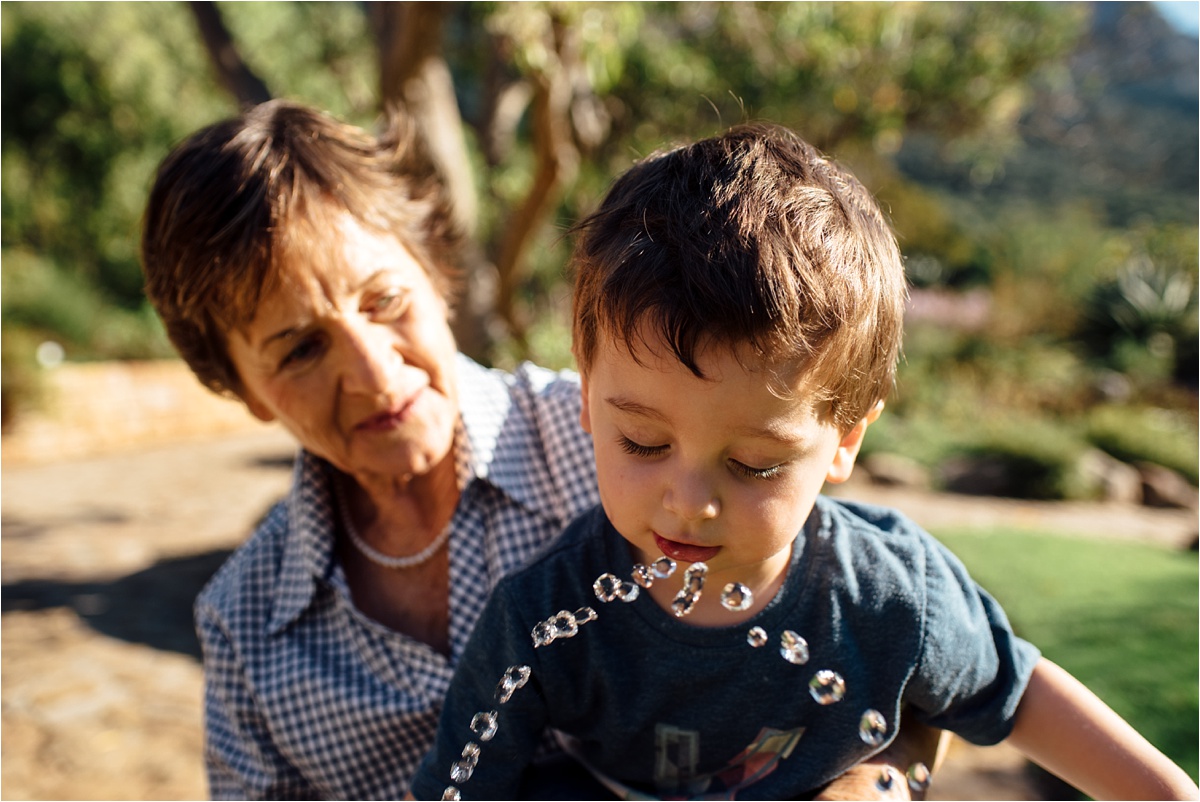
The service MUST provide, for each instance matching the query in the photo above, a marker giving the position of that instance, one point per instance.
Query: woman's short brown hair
(236, 199)
(749, 238)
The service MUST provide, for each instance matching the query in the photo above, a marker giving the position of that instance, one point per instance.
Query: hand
(885, 775)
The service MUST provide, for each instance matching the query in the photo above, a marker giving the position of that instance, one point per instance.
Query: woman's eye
(389, 305)
(639, 450)
(304, 351)
(755, 473)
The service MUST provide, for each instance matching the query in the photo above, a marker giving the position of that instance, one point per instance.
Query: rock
(1163, 487)
(977, 476)
(1112, 479)
(896, 470)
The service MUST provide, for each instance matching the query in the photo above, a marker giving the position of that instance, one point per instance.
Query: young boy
(718, 629)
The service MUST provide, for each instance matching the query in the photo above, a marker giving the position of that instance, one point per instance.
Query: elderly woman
(304, 267)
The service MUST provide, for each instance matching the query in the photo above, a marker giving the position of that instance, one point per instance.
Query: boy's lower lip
(683, 552)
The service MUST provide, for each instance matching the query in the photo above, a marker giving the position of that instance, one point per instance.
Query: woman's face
(354, 356)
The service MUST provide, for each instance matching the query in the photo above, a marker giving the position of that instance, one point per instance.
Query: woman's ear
(257, 408)
(843, 461)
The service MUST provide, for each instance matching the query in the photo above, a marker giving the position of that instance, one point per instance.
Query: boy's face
(718, 470)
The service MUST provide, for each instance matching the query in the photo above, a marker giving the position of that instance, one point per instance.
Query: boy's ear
(585, 416)
(843, 461)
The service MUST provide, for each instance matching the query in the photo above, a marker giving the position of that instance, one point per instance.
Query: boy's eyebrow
(633, 407)
(780, 434)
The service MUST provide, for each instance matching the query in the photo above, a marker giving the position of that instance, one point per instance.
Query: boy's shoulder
(876, 543)
(847, 517)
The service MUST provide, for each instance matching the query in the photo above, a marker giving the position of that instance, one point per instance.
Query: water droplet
(542, 634)
(886, 780)
(737, 597)
(872, 728)
(461, 771)
(484, 725)
(643, 575)
(663, 567)
(585, 614)
(470, 753)
(684, 603)
(605, 587)
(564, 625)
(693, 577)
(827, 687)
(628, 592)
(918, 777)
(451, 794)
(756, 637)
(793, 647)
(514, 678)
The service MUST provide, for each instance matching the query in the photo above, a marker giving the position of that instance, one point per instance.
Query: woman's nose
(368, 359)
(692, 499)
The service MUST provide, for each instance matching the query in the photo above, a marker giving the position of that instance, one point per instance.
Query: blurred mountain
(1116, 126)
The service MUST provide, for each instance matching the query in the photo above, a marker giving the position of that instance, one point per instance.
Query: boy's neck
(765, 581)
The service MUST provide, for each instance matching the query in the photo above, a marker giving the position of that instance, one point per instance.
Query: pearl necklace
(378, 557)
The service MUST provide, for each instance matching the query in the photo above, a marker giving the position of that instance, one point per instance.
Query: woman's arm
(240, 758)
(1069, 731)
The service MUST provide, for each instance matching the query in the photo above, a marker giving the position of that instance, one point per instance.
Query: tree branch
(233, 72)
(557, 161)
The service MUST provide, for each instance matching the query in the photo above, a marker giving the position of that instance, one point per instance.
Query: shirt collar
(501, 446)
(308, 549)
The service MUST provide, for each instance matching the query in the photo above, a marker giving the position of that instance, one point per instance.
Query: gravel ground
(103, 555)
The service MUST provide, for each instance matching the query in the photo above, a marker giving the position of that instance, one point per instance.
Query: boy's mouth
(685, 552)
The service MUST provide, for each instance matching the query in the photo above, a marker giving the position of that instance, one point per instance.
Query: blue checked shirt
(305, 697)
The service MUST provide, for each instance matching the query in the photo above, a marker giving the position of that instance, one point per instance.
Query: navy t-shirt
(656, 707)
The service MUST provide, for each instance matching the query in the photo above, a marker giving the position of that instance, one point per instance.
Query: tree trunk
(414, 76)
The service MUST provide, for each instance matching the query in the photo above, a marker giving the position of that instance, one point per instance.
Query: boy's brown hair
(749, 238)
(237, 200)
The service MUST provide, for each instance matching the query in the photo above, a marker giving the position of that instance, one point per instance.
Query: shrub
(1134, 434)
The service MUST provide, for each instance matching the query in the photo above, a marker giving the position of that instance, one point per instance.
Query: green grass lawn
(1122, 617)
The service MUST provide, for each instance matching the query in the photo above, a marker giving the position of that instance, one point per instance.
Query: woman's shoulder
(526, 383)
(525, 425)
(242, 586)
(576, 549)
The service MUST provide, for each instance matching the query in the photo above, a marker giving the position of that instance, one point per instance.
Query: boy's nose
(692, 500)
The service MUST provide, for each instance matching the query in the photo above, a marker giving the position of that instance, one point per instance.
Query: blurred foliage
(1080, 308)
(1146, 434)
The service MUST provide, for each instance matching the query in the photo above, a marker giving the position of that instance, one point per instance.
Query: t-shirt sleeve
(972, 669)
(494, 713)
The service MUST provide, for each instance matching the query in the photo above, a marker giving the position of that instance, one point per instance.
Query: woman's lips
(684, 552)
(382, 421)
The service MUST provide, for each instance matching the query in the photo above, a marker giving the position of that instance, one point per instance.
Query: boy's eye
(639, 450)
(755, 473)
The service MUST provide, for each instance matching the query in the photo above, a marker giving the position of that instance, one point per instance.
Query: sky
(1184, 16)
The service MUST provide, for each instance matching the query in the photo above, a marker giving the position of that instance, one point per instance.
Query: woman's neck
(400, 514)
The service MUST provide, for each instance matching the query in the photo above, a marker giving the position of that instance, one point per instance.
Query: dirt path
(103, 555)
